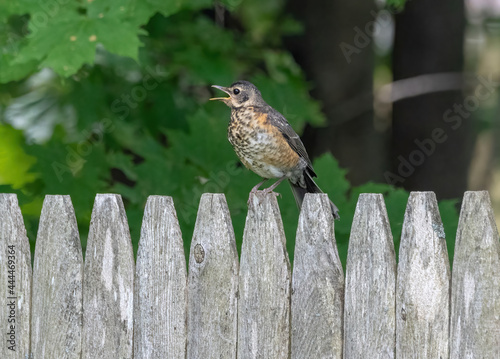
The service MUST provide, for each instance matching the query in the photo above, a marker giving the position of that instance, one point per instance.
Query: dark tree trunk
(431, 146)
(336, 54)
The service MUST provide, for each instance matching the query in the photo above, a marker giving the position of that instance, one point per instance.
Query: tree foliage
(111, 96)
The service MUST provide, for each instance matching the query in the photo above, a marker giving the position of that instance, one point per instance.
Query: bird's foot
(264, 192)
(270, 190)
(255, 189)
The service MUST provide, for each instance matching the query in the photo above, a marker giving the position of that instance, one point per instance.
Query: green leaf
(449, 216)
(372, 187)
(14, 163)
(166, 8)
(13, 72)
(11, 42)
(397, 4)
(395, 203)
(41, 11)
(208, 127)
(331, 178)
(199, 4)
(206, 64)
(69, 43)
(8, 8)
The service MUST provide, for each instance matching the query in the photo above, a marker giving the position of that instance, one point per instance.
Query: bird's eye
(236, 91)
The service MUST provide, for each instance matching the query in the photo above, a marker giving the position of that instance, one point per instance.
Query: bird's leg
(274, 185)
(257, 186)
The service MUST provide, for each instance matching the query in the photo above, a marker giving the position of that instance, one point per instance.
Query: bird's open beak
(225, 89)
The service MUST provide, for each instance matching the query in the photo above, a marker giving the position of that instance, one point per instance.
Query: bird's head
(241, 94)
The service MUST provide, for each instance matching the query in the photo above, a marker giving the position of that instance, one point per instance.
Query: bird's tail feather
(311, 187)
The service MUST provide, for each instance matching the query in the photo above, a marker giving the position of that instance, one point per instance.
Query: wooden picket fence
(110, 307)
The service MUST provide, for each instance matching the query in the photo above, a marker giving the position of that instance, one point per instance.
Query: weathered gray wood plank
(423, 282)
(318, 284)
(15, 280)
(213, 283)
(108, 283)
(264, 284)
(475, 293)
(370, 299)
(56, 322)
(160, 284)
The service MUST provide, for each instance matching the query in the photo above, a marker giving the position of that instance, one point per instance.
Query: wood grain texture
(318, 284)
(108, 283)
(264, 284)
(213, 283)
(475, 293)
(160, 284)
(423, 282)
(15, 302)
(56, 323)
(370, 299)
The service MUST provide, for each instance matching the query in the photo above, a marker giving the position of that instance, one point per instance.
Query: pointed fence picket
(475, 286)
(160, 286)
(423, 282)
(213, 283)
(370, 305)
(108, 283)
(15, 281)
(106, 307)
(318, 284)
(57, 283)
(264, 286)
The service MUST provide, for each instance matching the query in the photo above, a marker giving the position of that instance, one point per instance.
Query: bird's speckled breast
(260, 145)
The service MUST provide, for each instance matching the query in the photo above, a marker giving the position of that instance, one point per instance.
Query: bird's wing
(291, 137)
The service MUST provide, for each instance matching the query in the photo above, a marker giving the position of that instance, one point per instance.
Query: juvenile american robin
(266, 143)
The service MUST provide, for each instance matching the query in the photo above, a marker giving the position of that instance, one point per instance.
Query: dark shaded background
(429, 38)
